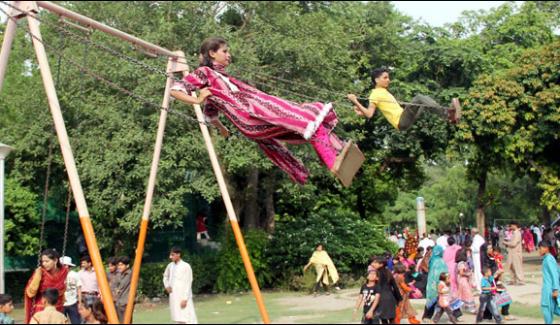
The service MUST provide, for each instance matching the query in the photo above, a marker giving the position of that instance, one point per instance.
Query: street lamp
(461, 221)
(4, 151)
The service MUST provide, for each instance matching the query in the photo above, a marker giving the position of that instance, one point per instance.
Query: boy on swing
(401, 119)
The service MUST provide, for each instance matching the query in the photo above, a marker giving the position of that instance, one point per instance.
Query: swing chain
(68, 205)
(45, 201)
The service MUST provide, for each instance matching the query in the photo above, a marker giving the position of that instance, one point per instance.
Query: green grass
(524, 310)
(242, 308)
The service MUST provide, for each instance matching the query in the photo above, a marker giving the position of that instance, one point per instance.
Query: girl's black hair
(443, 276)
(461, 255)
(210, 44)
(546, 243)
(53, 255)
(400, 268)
(376, 73)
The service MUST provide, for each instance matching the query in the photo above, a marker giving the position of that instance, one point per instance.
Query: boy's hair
(497, 249)
(51, 296)
(443, 276)
(376, 73)
(124, 259)
(112, 260)
(399, 268)
(450, 241)
(545, 243)
(177, 250)
(5, 299)
(85, 258)
(485, 269)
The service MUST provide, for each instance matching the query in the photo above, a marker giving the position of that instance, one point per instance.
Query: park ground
(302, 308)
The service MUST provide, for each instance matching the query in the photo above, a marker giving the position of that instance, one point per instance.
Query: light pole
(4, 151)
(461, 221)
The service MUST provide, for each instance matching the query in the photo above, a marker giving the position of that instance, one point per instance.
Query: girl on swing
(263, 118)
(401, 119)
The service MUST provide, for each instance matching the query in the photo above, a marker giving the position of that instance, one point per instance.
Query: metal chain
(45, 202)
(145, 66)
(68, 205)
(112, 84)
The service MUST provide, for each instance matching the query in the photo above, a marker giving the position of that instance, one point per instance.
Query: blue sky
(437, 13)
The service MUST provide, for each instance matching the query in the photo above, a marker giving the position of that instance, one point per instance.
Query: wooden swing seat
(347, 163)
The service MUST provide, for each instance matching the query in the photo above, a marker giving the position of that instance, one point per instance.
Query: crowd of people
(57, 294)
(449, 270)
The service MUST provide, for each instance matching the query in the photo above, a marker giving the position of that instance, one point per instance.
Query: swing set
(176, 63)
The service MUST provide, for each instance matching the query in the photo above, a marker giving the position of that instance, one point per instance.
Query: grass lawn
(284, 307)
(242, 308)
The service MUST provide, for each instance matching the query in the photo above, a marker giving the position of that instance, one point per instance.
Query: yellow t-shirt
(387, 104)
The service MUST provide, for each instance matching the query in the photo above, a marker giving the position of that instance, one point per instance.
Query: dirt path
(344, 300)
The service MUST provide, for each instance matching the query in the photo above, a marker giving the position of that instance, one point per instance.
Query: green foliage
(448, 192)
(21, 213)
(231, 274)
(349, 240)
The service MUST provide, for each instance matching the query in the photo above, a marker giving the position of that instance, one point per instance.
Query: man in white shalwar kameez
(477, 241)
(177, 280)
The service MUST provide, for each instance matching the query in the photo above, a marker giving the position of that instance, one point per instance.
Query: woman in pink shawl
(449, 258)
(268, 120)
(528, 240)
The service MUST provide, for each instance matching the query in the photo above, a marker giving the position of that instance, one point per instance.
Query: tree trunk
(546, 217)
(480, 215)
(252, 200)
(269, 204)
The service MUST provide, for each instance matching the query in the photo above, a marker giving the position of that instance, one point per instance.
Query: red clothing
(499, 258)
(200, 226)
(48, 280)
(268, 120)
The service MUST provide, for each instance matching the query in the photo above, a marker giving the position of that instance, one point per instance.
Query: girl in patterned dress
(268, 120)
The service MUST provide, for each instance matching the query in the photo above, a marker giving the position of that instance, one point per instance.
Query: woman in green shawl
(436, 268)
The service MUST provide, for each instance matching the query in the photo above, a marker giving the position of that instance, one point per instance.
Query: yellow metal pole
(231, 214)
(70, 164)
(171, 65)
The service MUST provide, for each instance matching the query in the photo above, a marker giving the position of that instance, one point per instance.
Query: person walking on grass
(515, 256)
(390, 295)
(444, 299)
(404, 308)
(324, 268)
(488, 291)
(551, 283)
(369, 297)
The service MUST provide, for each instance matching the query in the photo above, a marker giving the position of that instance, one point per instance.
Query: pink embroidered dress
(268, 120)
